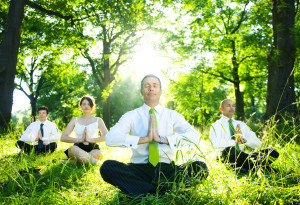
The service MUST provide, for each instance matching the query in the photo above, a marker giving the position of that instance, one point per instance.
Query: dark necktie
(153, 146)
(40, 145)
(232, 134)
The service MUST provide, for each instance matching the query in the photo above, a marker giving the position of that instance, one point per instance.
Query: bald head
(223, 102)
(227, 108)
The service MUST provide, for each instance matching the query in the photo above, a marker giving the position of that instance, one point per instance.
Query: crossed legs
(34, 148)
(248, 161)
(140, 179)
(79, 155)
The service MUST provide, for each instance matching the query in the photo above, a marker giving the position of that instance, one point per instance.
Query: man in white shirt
(229, 136)
(42, 133)
(152, 132)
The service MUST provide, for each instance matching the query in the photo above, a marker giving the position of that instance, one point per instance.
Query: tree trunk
(106, 82)
(280, 92)
(106, 111)
(33, 108)
(239, 97)
(9, 49)
(239, 102)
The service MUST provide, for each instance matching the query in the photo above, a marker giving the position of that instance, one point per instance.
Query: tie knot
(230, 120)
(152, 110)
(42, 125)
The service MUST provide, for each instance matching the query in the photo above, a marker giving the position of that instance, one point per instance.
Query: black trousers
(248, 161)
(34, 148)
(140, 179)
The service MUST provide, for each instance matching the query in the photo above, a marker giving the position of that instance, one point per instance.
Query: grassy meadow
(29, 179)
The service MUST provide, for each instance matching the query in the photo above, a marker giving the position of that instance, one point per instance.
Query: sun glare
(146, 60)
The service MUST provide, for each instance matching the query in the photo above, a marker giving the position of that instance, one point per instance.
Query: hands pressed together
(238, 135)
(39, 137)
(152, 132)
(152, 135)
(86, 137)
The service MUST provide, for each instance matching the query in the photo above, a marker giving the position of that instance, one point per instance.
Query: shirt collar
(158, 108)
(224, 118)
(43, 122)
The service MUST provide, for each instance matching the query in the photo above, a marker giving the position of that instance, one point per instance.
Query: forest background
(244, 50)
(204, 51)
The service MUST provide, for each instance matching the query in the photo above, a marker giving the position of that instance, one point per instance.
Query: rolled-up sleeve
(185, 133)
(118, 135)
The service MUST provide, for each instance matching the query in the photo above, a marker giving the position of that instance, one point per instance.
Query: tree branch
(21, 89)
(220, 75)
(92, 63)
(39, 86)
(243, 18)
(51, 13)
(249, 78)
(246, 58)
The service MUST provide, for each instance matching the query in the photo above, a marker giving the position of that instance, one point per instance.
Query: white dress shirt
(220, 134)
(135, 124)
(51, 133)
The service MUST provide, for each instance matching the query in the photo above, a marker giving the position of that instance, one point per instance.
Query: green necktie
(153, 146)
(232, 134)
(40, 145)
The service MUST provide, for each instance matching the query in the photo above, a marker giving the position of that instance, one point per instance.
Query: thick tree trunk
(280, 92)
(9, 49)
(239, 97)
(239, 102)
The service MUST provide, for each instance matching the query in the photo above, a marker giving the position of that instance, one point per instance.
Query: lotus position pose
(43, 133)
(152, 132)
(229, 136)
(86, 128)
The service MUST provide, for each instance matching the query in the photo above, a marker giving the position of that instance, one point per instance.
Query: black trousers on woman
(28, 148)
(140, 179)
(262, 158)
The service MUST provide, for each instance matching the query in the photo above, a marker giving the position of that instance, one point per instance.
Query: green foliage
(64, 89)
(238, 37)
(193, 96)
(125, 97)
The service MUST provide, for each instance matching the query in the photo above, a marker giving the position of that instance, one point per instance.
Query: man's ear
(141, 91)
(221, 109)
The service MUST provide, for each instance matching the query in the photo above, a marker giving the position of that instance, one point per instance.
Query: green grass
(26, 179)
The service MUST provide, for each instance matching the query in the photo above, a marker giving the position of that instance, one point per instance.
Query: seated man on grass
(229, 136)
(41, 133)
(152, 132)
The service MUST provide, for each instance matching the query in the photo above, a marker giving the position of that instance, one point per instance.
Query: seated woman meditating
(86, 128)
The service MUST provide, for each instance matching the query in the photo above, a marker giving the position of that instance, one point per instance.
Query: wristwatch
(161, 139)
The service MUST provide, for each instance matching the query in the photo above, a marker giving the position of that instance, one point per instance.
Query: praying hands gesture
(39, 137)
(238, 135)
(152, 133)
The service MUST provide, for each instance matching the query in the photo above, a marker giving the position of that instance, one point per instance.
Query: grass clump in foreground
(30, 179)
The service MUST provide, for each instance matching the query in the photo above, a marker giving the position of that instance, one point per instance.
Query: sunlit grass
(26, 179)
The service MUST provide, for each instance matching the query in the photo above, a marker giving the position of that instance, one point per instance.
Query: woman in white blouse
(85, 129)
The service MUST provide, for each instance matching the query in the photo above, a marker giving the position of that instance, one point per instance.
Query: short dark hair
(43, 108)
(150, 75)
(88, 98)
